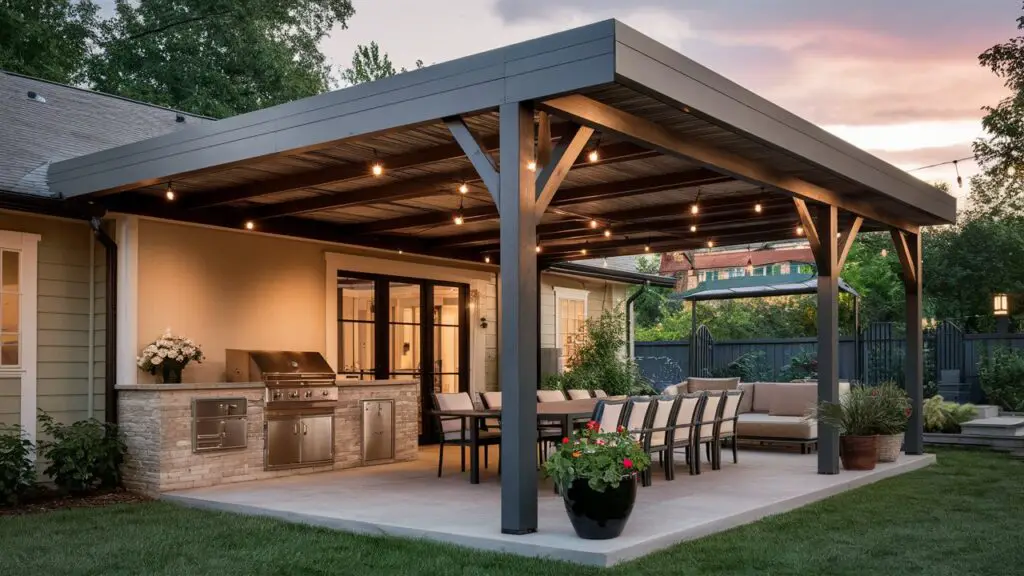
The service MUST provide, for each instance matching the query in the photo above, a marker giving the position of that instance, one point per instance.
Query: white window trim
(562, 293)
(28, 310)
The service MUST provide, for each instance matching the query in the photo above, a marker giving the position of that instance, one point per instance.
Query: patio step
(1001, 443)
(1004, 426)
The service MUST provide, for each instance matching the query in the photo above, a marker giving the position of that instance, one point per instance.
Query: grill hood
(257, 365)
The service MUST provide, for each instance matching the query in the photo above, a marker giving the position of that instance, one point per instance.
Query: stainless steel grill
(300, 398)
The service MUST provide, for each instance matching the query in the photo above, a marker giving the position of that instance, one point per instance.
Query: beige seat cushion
(762, 399)
(747, 402)
(754, 425)
(672, 390)
(793, 399)
(698, 384)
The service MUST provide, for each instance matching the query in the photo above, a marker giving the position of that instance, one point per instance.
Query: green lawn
(962, 516)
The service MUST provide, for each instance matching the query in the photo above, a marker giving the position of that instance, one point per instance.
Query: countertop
(185, 386)
(367, 383)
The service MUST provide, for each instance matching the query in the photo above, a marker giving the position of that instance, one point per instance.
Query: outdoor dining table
(563, 413)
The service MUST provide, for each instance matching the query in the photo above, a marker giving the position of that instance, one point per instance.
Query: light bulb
(463, 188)
(487, 259)
(607, 233)
(377, 169)
(647, 247)
(458, 219)
(799, 230)
(170, 193)
(758, 208)
(538, 249)
(583, 251)
(249, 225)
(711, 243)
(531, 166)
(693, 227)
(694, 209)
(593, 156)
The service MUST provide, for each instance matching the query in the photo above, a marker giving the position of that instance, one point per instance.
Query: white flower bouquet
(169, 354)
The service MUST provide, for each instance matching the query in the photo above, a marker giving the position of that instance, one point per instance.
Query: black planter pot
(599, 515)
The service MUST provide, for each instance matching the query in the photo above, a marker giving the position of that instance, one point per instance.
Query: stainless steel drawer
(219, 424)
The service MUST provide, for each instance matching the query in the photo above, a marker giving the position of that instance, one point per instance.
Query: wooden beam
(605, 118)
(568, 197)
(907, 259)
(847, 241)
(477, 154)
(544, 143)
(558, 166)
(811, 232)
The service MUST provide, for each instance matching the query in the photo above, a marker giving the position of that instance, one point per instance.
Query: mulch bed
(50, 500)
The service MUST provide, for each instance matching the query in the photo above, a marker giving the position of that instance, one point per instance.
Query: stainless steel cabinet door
(284, 440)
(317, 438)
(378, 430)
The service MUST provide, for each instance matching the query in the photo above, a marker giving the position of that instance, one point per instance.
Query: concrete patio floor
(408, 500)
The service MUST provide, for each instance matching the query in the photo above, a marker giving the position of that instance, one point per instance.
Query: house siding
(602, 296)
(63, 321)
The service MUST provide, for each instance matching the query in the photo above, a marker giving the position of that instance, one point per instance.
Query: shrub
(599, 361)
(84, 455)
(895, 405)
(17, 471)
(946, 417)
(801, 366)
(1001, 374)
(858, 413)
(750, 367)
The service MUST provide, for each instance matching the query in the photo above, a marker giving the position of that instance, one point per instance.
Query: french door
(420, 333)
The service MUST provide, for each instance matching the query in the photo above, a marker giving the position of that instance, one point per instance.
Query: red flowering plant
(603, 459)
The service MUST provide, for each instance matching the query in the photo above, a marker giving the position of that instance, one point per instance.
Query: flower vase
(599, 515)
(171, 373)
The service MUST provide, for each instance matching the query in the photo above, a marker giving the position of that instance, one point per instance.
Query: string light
(377, 169)
(170, 192)
(695, 207)
(959, 180)
(458, 217)
(758, 208)
(647, 247)
(531, 166)
(583, 251)
(594, 224)
(249, 225)
(463, 188)
(593, 156)
(538, 249)
(487, 259)
(400, 252)
(799, 230)
(607, 233)
(693, 227)
(711, 243)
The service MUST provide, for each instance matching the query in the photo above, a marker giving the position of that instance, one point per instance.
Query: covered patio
(593, 142)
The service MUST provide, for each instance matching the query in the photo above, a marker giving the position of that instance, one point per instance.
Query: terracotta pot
(599, 515)
(889, 447)
(858, 452)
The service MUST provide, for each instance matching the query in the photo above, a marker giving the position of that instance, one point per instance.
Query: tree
(369, 64)
(216, 57)
(1004, 148)
(47, 39)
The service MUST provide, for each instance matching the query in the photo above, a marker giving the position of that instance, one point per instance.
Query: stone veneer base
(157, 425)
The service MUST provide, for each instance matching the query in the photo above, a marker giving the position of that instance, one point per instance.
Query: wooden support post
(828, 331)
(908, 248)
(554, 171)
(519, 303)
(478, 154)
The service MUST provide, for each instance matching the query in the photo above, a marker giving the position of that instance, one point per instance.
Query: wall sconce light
(1001, 305)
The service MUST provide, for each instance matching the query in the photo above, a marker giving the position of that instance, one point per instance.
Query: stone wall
(157, 424)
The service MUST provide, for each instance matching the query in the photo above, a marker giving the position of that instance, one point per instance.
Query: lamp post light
(1001, 310)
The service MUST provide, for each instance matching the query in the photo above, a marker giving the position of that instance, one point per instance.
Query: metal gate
(949, 348)
(883, 354)
(702, 352)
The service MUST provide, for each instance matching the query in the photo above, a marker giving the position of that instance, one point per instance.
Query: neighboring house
(766, 260)
(227, 289)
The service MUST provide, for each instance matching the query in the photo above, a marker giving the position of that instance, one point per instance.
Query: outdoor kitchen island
(202, 434)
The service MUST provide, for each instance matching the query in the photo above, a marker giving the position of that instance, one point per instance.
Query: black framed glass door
(420, 333)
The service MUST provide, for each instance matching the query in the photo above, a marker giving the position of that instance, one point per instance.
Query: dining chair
(600, 394)
(578, 394)
(726, 427)
(608, 414)
(706, 428)
(452, 429)
(550, 396)
(684, 425)
(636, 415)
(656, 434)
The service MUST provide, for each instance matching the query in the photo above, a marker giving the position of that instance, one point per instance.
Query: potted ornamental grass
(892, 425)
(168, 355)
(858, 416)
(596, 473)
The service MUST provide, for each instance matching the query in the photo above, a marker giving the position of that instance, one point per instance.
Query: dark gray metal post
(693, 339)
(828, 334)
(914, 358)
(856, 337)
(519, 303)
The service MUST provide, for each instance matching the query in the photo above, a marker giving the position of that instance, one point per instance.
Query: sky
(899, 78)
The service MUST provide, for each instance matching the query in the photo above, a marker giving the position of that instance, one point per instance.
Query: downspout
(630, 329)
(91, 394)
(110, 371)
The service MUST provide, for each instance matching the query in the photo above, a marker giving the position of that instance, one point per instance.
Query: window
(570, 323)
(356, 330)
(10, 308)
